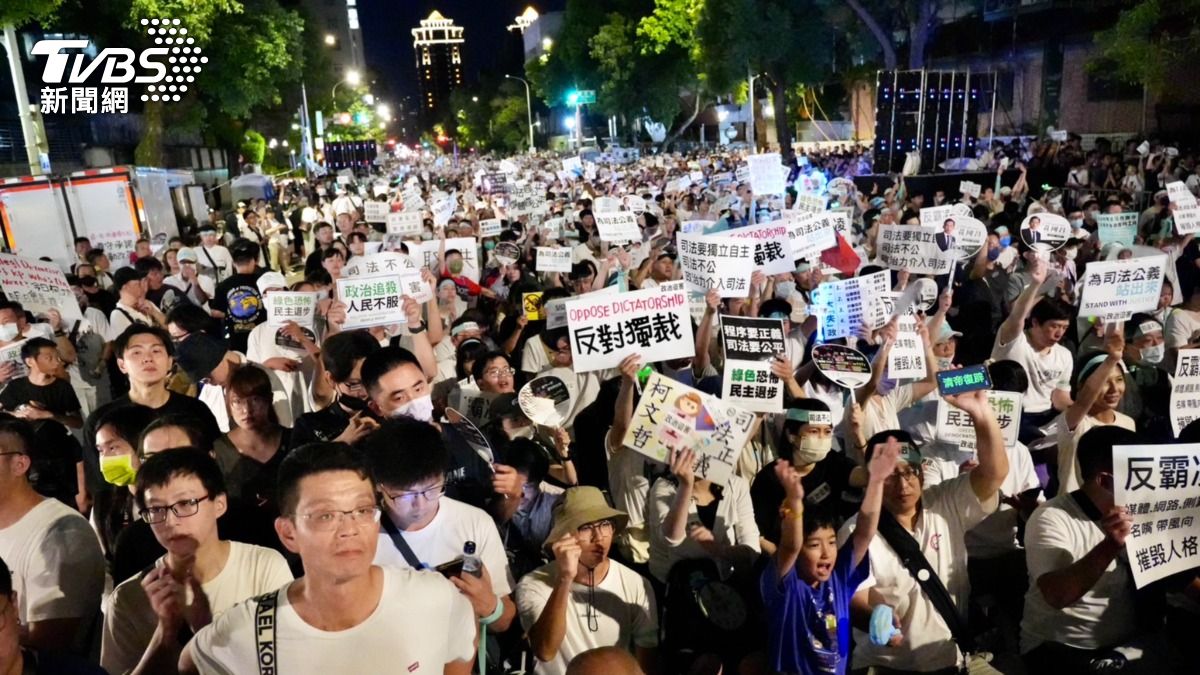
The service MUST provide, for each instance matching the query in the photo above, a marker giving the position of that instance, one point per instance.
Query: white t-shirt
(734, 526)
(206, 284)
(221, 258)
(1181, 324)
(622, 606)
(882, 413)
(441, 541)
(1047, 372)
(261, 345)
(129, 620)
(1068, 440)
(56, 564)
(1058, 534)
(948, 511)
(119, 320)
(421, 623)
(534, 358)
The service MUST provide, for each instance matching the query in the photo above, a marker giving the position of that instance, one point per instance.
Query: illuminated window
(352, 15)
(425, 56)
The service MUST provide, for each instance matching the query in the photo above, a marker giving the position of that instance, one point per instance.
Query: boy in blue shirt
(808, 587)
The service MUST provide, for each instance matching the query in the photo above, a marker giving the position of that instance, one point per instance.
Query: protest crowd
(695, 413)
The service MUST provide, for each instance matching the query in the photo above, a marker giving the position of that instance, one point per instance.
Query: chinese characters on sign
(1159, 485)
(716, 262)
(766, 174)
(842, 306)
(371, 301)
(618, 226)
(1117, 228)
(652, 323)
(751, 345)
(1185, 390)
(906, 360)
(283, 307)
(914, 249)
(375, 212)
(772, 248)
(1121, 287)
(553, 259)
(954, 425)
(39, 286)
(72, 100)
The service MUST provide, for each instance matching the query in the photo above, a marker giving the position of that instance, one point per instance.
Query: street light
(353, 78)
(547, 43)
(475, 99)
(383, 111)
(528, 108)
(330, 39)
(274, 143)
(369, 98)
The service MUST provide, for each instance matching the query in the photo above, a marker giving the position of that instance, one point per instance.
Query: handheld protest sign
(547, 400)
(1045, 232)
(471, 434)
(844, 366)
(918, 296)
(961, 235)
(507, 253)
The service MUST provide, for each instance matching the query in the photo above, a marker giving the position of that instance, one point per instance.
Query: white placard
(934, 216)
(1121, 287)
(285, 306)
(970, 189)
(405, 223)
(812, 233)
(371, 301)
(490, 227)
(716, 262)
(1184, 208)
(1157, 486)
(524, 200)
(772, 245)
(605, 329)
(915, 249)
(841, 306)
(606, 205)
(766, 177)
(618, 226)
(376, 212)
(906, 360)
(1117, 228)
(553, 259)
(1185, 390)
(954, 426)
(573, 165)
(39, 286)
(443, 209)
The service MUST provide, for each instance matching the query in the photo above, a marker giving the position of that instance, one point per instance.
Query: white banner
(812, 233)
(285, 306)
(618, 226)
(772, 245)
(1121, 287)
(651, 323)
(1157, 486)
(716, 262)
(969, 188)
(553, 259)
(766, 174)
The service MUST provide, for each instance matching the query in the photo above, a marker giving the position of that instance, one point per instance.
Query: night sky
(490, 48)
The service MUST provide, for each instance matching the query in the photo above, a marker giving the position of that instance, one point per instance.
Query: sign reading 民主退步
(710, 261)
(285, 306)
(751, 346)
(604, 330)
(844, 305)
(956, 427)
(671, 417)
(1120, 288)
(1158, 486)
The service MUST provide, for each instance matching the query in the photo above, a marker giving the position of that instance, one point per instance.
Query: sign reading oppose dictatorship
(1157, 485)
(1121, 287)
(751, 345)
(710, 261)
(652, 323)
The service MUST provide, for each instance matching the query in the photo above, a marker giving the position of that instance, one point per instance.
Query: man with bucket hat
(583, 599)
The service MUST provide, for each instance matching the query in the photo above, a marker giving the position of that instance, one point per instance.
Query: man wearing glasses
(583, 600)
(181, 494)
(346, 614)
(423, 528)
(57, 566)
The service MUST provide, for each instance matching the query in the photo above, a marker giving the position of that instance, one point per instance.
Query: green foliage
(20, 12)
(254, 147)
(1149, 42)
(199, 16)
(672, 23)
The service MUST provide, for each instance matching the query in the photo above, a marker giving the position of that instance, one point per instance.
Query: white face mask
(1072, 253)
(784, 289)
(945, 364)
(1153, 354)
(8, 331)
(812, 449)
(419, 409)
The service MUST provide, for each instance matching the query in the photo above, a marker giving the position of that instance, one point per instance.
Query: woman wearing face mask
(117, 433)
(805, 442)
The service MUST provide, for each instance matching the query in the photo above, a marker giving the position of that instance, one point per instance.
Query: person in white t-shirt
(197, 287)
(1081, 600)
(436, 529)
(214, 259)
(937, 519)
(290, 351)
(882, 410)
(346, 614)
(181, 495)
(583, 599)
(53, 553)
(1047, 363)
(132, 305)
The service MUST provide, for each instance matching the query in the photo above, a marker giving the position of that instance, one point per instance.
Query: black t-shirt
(58, 397)
(167, 297)
(312, 264)
(320, 426)
(102, 300)
(252, 485)
(177, 404)
(826, 487)
(239, 299)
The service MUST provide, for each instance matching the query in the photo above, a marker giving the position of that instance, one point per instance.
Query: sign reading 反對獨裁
(617, 226)
(553, 259)
(371, 301)
(1185, 390)
(285, 306)
(375, 212)
(671, 417)
(955, 426)
(842, 306)
(710, 261)
(407, 223)
(1157, 486)
(913, 249)
(766, 174)
(751, 345)
(1117, 228)
(772, 247)
(1121, 287)
(651, 323)
(39, 286)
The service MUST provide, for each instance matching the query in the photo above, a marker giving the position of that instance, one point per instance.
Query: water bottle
(471, 562)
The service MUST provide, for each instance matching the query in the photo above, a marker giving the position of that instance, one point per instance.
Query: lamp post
(353, 78)
(528, 108)
(752, 139)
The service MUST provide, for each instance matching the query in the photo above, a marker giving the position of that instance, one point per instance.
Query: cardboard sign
(371, 301)
(955, 426)
(934, 216)
(405, 223)
(548, 399)
(635, 203)
(618, 226)
(842, 306)
(490, 227)
(914, 249)
(443, 209)
(285, 306)
(553, 227)
(772, 246)
(751, 346)
(1045, 231)
(1121, 287)
(843, 366)
(376, 212)
(1117, 228)
(1185, 390)
(809, 203)
(1157, 486)
(39, 286)
(651, 323)
(766, 175)
(553, 259)
(716, 262)
(531, 304)
(671, 416)
(573, 165)
(525, 200)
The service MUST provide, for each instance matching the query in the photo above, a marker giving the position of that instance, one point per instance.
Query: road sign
(586, 96)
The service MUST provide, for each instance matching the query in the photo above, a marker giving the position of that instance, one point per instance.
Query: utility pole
(37, 150)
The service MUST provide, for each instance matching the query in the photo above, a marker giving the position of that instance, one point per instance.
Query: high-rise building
(337, 24)
(438, 46)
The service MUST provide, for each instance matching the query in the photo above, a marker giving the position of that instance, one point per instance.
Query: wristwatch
(418, 330)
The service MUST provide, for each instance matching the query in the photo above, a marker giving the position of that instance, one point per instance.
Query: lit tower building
(438, 46)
